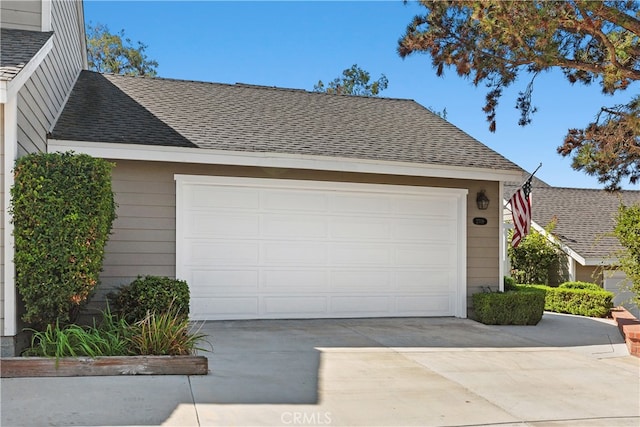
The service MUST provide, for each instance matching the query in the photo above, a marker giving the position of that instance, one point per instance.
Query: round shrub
(151, 294)
(581, 285)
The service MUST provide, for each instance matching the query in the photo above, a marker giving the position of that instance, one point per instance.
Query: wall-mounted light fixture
(482, 200)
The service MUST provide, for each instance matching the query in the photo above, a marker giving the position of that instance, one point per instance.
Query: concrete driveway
(566, 371)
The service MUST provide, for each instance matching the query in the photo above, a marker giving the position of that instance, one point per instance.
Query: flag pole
(528, 179)
(534, 172)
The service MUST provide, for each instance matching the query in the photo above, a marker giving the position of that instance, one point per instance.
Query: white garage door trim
(446, 206)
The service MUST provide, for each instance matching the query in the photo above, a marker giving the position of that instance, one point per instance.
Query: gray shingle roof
(17, 47)
(585, 217)
(246, 118)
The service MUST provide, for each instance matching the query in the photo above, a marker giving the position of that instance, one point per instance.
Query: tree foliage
(354, 81)
(495, 42)
(627, 230)
(536, 259)
(114, 53)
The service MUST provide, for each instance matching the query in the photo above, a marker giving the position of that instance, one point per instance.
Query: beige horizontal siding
(21, 14)
(143, 238)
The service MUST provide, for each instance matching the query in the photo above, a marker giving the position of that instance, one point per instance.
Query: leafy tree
(536, 260)
(495, 42)
(114, 53)
(354, 81)
(627, 230)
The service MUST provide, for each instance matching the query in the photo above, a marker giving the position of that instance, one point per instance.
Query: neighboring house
(584, 222)
(42, 50)
(270, 202)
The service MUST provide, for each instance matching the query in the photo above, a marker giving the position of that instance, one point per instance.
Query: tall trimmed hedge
(63, 209)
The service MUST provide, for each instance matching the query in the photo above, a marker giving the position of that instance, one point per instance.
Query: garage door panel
(434, 305)
(423, 281)
(431, 230)
(299, 281)
(295, 305)
(297, 201)
(216, 224)
(362, 281)
(294, 253)
(234, 198)
(224, 308)
(354, 228)
(362, 205)
(258, 248)
(362, 305)
(221, 252)
(414, 255)
(294, 226)
(427, 207)
(226, 282)
(342, 254)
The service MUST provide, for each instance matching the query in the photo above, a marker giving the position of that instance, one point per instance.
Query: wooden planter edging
(16, 367)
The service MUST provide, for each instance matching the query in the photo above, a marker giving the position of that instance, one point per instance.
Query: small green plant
(151, 294)
(523, 307)
(110, 338)
(580, 285)
(165, 333)
(509, 283)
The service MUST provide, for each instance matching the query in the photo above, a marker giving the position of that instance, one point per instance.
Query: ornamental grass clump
(110, 338)
(167, 333)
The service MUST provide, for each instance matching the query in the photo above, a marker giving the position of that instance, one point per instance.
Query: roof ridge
(254, 86)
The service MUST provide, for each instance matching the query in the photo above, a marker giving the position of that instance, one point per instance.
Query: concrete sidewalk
(566, 371)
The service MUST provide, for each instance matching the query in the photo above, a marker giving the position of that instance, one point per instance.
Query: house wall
(42, 96)
(21, 14)
(589, 273)
(143, 236)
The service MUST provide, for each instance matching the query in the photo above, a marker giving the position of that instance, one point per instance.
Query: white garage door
(264, 248)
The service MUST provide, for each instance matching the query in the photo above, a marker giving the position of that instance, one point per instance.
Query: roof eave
(10, 88)
(124, 151)
(591, 262)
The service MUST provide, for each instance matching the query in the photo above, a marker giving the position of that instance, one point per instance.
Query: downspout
(10, 144)
(501, 237)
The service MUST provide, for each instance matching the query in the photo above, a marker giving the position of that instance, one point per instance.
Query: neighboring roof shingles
(245, 118)
(585, 217)
(17, 48)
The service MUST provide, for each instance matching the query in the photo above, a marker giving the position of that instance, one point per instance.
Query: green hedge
(523, 307)
(63, 209)
(151, 294)
(583, 302)
(580, 285)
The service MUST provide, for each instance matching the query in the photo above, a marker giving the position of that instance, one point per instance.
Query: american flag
(521, 212)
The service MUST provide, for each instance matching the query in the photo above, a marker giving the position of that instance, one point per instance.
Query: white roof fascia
(566, 249)
(10, 88)
(123, 151)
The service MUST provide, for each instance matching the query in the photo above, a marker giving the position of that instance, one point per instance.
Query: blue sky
(296, 43)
